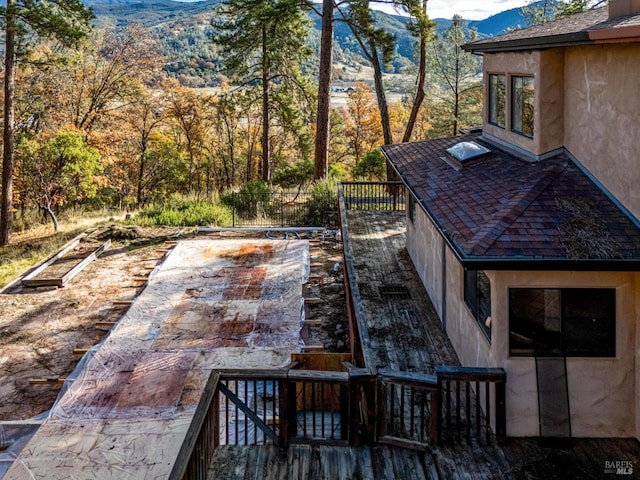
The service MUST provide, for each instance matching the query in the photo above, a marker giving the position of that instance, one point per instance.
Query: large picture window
(477, 296)
(497, 98)
(522, 105)
(569, 322)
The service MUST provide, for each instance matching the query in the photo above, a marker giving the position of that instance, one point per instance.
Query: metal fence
(305, 208)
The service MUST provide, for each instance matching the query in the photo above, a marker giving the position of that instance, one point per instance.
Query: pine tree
(263, 44)
(64, 20)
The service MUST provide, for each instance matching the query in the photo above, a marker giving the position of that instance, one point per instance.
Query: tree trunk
(8, 134)
(321, 164)
(141, 172)
(417, 102)
(265, 108)
(382, 99)
(52, 216)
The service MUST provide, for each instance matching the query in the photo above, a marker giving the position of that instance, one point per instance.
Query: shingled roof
(504, 212)
(586, 28)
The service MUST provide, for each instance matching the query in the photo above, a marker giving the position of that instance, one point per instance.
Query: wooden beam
(313, 323)
(105, 324)
(82, 265)
(121, 303)
(80, 351)
(51, 259)
(313, 348)
(312, 300)
(48, 381)
(30, 281)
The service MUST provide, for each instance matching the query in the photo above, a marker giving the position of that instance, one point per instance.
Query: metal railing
(372, 195)
(304, 208)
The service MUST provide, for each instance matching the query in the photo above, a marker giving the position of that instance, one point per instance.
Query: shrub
(186, 213)
(322, 205)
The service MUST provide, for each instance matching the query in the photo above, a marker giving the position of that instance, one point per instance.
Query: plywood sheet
(212, 304)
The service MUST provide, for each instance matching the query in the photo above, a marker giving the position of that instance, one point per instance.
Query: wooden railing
(406, 409)
(468, 404)
(372, 195)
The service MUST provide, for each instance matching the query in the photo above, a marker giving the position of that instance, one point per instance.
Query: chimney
(623, 8)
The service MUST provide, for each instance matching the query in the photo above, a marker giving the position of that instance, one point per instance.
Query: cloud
(470, 9)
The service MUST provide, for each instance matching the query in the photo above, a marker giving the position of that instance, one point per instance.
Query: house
(526, 233)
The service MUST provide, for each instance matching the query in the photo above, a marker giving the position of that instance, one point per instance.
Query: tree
(65, 20)
(363, 126)
(263, 43)
(321, 163)
(455, 71)
(61, 170)
(424, 30)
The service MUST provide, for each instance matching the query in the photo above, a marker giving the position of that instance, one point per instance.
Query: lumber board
(122, 303)
(105, 324)
(53, 258)
(80, 351)
(313, 323)
(46, 381)
(60, 282)
(312, 300)
(313, 348)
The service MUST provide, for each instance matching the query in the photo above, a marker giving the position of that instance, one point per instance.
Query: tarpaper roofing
(582, 28)
(503, 208)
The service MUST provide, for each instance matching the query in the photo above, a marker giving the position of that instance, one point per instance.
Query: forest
(94, 119)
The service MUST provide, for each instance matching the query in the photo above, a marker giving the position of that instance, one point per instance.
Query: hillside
(183, 30)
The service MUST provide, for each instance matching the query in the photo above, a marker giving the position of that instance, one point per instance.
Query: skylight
(465, 151)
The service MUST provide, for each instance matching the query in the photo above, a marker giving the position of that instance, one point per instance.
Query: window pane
(497, 94)
(470, 291)
(588, 317)
(534, 322)
(522, 105)
(571, 322)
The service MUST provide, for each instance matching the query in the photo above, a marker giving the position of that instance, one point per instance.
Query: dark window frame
(522, 105)
(566, 329)
(477, 297)
(497, 114)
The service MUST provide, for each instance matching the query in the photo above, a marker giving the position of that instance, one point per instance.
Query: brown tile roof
(581, 28)
(505, 208)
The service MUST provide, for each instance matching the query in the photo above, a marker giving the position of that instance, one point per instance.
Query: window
(477, 296)
(522, 105)
(569, 322)
(497, 95)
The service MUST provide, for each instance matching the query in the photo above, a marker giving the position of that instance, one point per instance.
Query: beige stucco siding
(547, 69)
(602, 391)
(602, 116)
(424, 245)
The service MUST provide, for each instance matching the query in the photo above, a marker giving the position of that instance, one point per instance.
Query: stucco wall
(602, 391)
(602, 116)
(424, 245)
(547, 69)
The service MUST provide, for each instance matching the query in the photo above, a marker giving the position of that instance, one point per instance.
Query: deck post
(288, 412)
(501, 413)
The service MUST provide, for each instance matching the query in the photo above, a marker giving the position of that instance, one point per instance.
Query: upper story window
(497, 96)
(477, 296)
(522, 105)
(568, 322)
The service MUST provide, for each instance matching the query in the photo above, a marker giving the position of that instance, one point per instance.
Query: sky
(470, 9)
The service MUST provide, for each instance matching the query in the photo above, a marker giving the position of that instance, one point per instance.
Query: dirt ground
(42, 328)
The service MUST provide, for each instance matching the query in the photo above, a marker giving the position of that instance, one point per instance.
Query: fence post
(233, 209)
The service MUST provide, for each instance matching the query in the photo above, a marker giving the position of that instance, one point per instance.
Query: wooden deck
(405, 334)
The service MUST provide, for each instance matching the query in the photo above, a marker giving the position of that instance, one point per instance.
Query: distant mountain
(183, 28)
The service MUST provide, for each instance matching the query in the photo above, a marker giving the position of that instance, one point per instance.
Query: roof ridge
(511, 211)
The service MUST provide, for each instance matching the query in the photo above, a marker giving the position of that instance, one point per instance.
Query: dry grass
(584, 234)
(32, 245)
